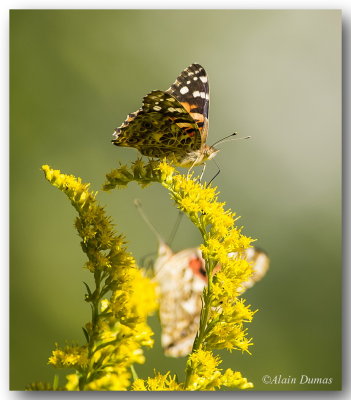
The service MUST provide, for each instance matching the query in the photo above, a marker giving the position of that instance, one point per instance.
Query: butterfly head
(210, 152)
(194, 158)
(206, 153)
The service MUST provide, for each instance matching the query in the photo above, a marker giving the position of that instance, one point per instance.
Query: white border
(179, 4)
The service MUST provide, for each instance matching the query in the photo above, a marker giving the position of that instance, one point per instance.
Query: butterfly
(181, 278)
(172, 123)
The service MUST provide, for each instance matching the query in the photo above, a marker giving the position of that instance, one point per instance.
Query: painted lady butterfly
(172, 123)
(181, 278)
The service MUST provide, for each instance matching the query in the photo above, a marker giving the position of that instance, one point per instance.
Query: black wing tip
(196, 66)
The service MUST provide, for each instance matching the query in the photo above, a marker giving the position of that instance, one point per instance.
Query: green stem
(203, 319)
(95, 300)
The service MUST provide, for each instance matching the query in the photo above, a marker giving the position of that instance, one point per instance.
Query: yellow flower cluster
(69, 357)
(118, 328)
(207, 376)
(224, 314)
(114, 378)
(134, 298)
(158, 383)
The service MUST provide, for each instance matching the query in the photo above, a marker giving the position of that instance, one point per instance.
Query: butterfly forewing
(191, 88)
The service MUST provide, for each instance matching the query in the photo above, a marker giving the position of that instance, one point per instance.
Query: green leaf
(86, 334)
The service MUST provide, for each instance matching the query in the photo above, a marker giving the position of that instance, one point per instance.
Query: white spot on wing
(184, 90)
(171, 109)
(157, 108)
(203, 79)
(196, 93)
(174, 110)
(195, 78)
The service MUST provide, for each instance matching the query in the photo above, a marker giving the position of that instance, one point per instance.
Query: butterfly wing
(191, 89)
(260, 265)
(161, 127)
(180, 298)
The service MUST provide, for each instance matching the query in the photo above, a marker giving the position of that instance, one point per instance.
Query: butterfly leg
(215, 175)
(202, 172)
(189, 170)
(193, 165)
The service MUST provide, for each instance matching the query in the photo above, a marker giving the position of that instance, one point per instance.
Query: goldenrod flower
(115, 379)
(70, 357)
(72, 382)
(118, 329)
(231, 379)
(207, 376)
(158, 383)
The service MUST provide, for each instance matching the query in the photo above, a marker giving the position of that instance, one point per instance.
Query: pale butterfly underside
(181, 278)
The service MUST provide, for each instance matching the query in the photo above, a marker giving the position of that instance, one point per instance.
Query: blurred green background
(274, 75)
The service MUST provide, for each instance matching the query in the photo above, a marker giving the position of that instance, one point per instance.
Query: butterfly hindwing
(170, 107)
(260, 263)
(161, 127)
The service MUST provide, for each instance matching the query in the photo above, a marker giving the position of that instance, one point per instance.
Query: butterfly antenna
(147, 261)
(175, 228)
(229, 138)
(139, 207)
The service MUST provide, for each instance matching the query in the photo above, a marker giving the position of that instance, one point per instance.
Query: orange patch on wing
(186, 105)
(130, 118)
(195, 265)
(197, 117)
(184, 125)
